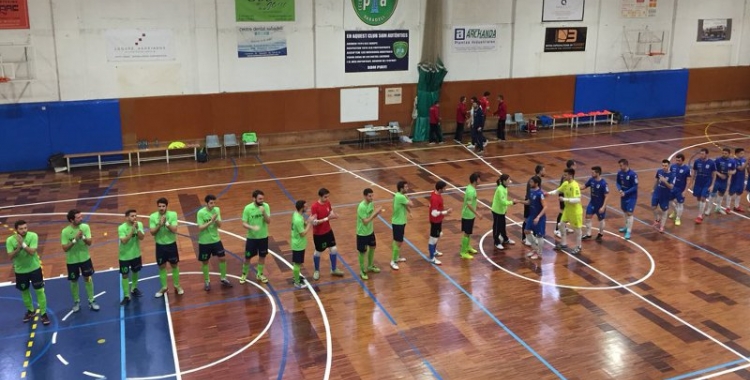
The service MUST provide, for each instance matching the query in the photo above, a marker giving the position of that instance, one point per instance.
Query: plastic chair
(520, 121)
(509, 122)
(250, 139)
(395, 131)
(371, 135)
(212, 141)
(230, 140)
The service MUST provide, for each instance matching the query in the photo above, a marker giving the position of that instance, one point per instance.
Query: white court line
(176, 360)
(62, 359)
(94, 375)
(71, 311)
(54, 338)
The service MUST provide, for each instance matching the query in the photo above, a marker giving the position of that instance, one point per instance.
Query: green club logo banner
(374, 12)
(400, 49)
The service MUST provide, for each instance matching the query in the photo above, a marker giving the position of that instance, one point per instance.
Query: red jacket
(434, 114)
(502, 110)
(461, 113)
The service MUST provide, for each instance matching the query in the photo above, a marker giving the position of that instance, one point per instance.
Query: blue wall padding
(34, 131)
(638, 95)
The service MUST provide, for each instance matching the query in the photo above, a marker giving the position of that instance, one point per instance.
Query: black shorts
(134, 265)
(562, 206)
(205, 251)
(256, 247)
(327, 240)
(167, 253)
(298, 257)
(365, 241)
(467, 226)
(526, 211)
(398, 232)
(35, 278)
(85, 269)
(436, 229)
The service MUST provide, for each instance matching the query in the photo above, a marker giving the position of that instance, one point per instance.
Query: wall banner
(562, 10)
(376, 50)
(712, 30)
(474, 38)
(261, 41)
(374, 12)
(264, 10)
(131, 45)
(565, 39)
(14, 14)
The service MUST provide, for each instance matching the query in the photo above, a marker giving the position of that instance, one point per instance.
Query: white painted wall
(69, 49)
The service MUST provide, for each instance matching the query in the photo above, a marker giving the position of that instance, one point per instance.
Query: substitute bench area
(127, 156)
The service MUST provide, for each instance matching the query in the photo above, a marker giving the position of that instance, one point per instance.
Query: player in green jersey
(22, 251)
(209, 242)
(76, 240)
(300, 228)
(130, 234)
(255, 218)
(401, 208)
(366, 213)
(163, 227)
(468, 213)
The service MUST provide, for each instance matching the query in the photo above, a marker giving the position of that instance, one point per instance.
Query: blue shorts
(538, 229)
(720, 187)
(736, 188)
(592, 209)
(677, 195)
(700, 190)
(660, 198)
(628, 204)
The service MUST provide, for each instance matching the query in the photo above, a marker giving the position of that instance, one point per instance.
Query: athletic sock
(394, 257)
(26, 296)
(223, 269)
(588, 227)
(89, 285)
(75, 291)
(664, 218)
(431, 249)
(41, 299)
(125, 286)
(204, 268)
(245, 269)
(176, 276)
(680, 208)
(362, 262)
(602, 224)
(630, 223)
(333, 260)
(163, 277)
(260, 269)
(295, 273)
(370, 257)
(316, 260)
(578, 234)
(464, 244)
(563, 233)
(134, 278)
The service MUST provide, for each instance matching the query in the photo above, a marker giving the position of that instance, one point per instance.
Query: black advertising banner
(376, 50)
(565, 39)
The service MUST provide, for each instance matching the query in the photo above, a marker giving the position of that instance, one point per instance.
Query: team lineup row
(720, 182)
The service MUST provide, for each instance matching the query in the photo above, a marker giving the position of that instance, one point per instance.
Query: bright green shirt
(299, 242)
(253, 215)
(211, 233)
(470, 198)
(132, 249)
(364, 210)
(79, 252)
(571, 190)
(500, 201)
(399, 209)
(164, 236)
(24, 262)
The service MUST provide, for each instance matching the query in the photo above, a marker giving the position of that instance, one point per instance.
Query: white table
(363, 132)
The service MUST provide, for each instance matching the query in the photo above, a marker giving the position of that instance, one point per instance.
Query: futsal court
(669, 305)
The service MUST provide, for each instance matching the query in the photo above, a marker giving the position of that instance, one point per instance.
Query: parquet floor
(669, 305)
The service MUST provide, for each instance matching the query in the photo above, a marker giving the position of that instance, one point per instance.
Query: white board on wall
(359, 104)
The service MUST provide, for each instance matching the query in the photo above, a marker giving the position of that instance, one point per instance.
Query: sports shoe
(677, 221)
(530, 253)
(432, 143)
(533, 256)
(467, 256)
(699, 220)
(569, 230)
(179, 290)
(438, 253)
(472, 250)
(527, 243)
(401, 260)
(337, 273)
(485, 143)
(558, 234)
(672, 215)
(225, 283)
(727, 210)
(441, 142)
(627, 236)
(316, 275)
(739, 209)
(160, 293)
(435, 261)
(76, 307)
(720, 210)
(586, 237)
(243, 279)
(262, 278)
(137, 292)
(599, 237)
(94, 306)
(29, 314)
(509, 241)
(576, 251)
(45, 319)
(373, 269)
(480, 153)
(363, 276)
(661, 229)
(207, 286)
(470, 146)
(622, 229)
(394, 266)
(499, 246)
(561, 247)
(299, 285)
(125, 301)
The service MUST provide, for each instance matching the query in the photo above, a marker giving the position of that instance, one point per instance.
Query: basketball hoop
(655, 57)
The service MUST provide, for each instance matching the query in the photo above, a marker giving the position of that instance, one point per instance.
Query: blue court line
(480, 305)
(101, 197)
(123, 362)
(356, 277)
(705, 370)
(223, 191)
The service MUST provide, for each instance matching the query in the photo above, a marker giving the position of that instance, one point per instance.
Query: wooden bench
(141, 155)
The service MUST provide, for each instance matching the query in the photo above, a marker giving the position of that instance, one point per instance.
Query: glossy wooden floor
(670, 305)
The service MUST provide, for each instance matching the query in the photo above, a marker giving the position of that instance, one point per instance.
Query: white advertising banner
(135, 45)
(562, 10)
(474, 38)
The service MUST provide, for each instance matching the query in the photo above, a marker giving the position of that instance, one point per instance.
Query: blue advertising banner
(376, 50)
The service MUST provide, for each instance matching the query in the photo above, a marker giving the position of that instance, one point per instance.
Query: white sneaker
(509, 241)
(436, 261)
(720, 210)
(470, 146)
(558, 234)
(394, 266)
(486, 142)
(569, 230)
(527, 243)
(499, 246)
(438, 253)
(401, 259)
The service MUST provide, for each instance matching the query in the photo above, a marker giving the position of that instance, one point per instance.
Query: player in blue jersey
(725, 169)
(537, 220)
(598, 203)
(660, 197)
(680, 173)
(702, 179)
(738, 180)
(627, 185)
